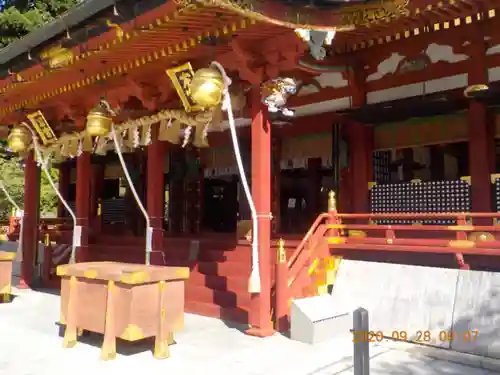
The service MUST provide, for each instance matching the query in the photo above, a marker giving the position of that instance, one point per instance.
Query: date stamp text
(416, 336)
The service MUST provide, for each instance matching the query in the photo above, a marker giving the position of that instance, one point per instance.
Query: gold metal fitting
(332, 201)
(281, 251)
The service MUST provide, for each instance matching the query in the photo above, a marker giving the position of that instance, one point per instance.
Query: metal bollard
(361, 357)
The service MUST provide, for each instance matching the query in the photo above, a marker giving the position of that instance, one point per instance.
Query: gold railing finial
(281, 251)
(332, 201)
(46, 239)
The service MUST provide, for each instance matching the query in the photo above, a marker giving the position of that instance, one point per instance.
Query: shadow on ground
(123, 347)
(11, 298)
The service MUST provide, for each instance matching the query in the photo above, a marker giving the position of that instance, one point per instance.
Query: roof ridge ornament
(301, 15)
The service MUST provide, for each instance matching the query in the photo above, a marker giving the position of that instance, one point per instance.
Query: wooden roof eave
(110, 26)
(423, 16)
(74, 17)
(163, 55)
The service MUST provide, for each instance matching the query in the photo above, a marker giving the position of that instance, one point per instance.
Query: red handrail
(287, 273)
(428, 215)
(319, 220)
(418, 227)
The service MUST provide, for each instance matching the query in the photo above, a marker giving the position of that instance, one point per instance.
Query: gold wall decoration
(365, 15)
(57, 56)
(181, 77)
(42, 127)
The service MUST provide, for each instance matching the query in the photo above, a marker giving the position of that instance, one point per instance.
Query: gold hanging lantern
(19, 139)
(99, 121)
(206, 87)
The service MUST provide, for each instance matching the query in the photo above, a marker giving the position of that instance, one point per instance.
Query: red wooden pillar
(261, 193)
(481, 139)
(360, 141)
(30, 220)
(156, 197)
(82, 204)
(276, 147)
(64, 181)
(481, 142)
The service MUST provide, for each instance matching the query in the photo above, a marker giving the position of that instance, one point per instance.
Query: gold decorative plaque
(181, 77)
(42, 127)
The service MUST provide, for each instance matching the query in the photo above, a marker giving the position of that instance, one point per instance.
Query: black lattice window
(422, 197)
(381, 166)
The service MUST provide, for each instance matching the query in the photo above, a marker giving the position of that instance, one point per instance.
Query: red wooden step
(227, 269)
(213, 255)
(236, 284)
(236, 315)
(230, 299)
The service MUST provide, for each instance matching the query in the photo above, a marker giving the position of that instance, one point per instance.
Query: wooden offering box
(129, 301)
(6, 259)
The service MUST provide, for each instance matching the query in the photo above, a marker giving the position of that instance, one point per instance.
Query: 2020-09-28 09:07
(416, 336)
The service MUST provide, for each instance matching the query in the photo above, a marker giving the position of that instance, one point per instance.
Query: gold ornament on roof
(19, 139)
(99, 121)
(57, 56)
(340, 18)
(366, 14)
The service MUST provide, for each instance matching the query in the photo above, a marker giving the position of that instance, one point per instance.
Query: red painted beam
(415, 249)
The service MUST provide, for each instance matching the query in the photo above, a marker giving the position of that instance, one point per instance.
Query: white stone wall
(447, 308)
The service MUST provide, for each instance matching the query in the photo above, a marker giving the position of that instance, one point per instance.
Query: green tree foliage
(18, 18)
(12, 176)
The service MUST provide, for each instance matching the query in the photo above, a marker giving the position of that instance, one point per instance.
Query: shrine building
(399, 117)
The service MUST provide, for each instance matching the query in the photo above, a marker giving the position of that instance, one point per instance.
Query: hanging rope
(254, 281)
(77, 230)
(149, 229)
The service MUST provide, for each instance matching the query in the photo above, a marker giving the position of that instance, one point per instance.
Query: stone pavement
(29, 345)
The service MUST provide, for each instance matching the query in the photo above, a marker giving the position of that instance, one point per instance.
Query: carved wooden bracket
(244, 67)
(63, 109)
(116, 98)
(282, 54)
(142, 93)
